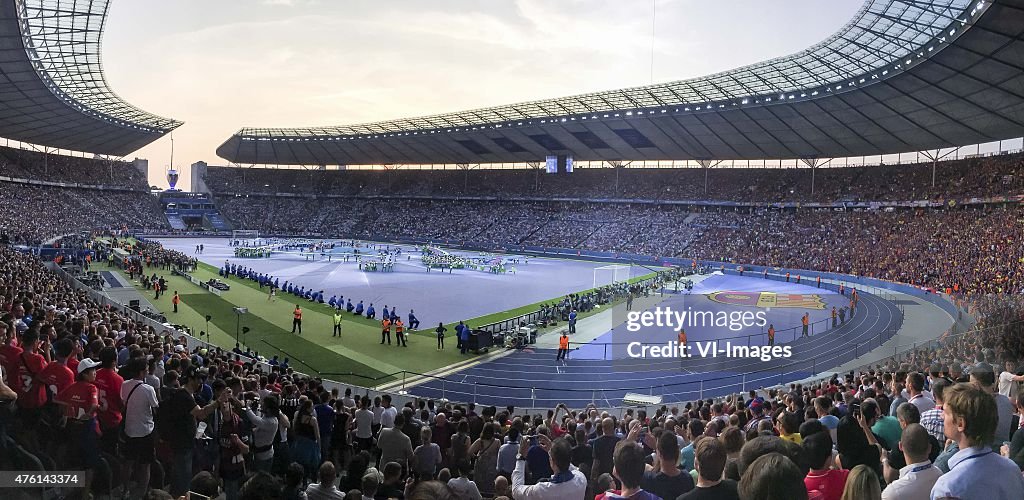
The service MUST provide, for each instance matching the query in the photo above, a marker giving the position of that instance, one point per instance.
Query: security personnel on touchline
(400, 333)
(563, 345)
(337, 323)
(385, 330)
(297, 319)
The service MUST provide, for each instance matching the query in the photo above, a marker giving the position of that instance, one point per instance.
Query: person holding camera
(566, 483)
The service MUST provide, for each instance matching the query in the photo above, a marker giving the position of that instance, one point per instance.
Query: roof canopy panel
(846, 95)
(52, 88)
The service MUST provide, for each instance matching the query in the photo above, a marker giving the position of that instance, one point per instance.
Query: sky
(225, 64)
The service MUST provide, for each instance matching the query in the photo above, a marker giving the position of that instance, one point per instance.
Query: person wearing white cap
(81, 402)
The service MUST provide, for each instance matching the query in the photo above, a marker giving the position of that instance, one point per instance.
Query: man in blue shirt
(464, 338)
(370, 313)
(458, 335)
(572, 321)
(414, 323)
(385, 314)
(975, 472)
(348, 306)
(359, 309)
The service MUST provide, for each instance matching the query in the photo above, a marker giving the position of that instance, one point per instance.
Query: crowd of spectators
(970, 251)
(36, 165)
(150, 417)
(964, 178)
(87, 387)
(964, 249)
(30, 214)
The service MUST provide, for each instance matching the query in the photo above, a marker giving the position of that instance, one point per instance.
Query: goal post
(245, 234)
(611, 274)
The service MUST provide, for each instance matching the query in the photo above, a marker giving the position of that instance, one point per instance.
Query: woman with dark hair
(305, 446)
(353, 479)
(265, 427)
(485, 451)
(339, 438)
(772, 477)
(293, 479)
(854, 448)
(460, 443)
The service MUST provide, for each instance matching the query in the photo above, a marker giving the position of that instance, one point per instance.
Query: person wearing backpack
(139, 439)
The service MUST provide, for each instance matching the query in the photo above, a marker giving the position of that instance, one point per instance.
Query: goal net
(245, 234)
(609, 275)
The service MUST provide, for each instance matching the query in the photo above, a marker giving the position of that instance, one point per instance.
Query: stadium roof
(52, 88)
(902, 75)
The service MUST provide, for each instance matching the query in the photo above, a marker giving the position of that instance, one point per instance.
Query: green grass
(268, 337)
(355, 358)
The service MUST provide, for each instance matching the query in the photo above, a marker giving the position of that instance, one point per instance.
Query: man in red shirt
(30, 365)
(9, 353)
(81, 400)
(57, 376)
(108, 382)
(821, 478)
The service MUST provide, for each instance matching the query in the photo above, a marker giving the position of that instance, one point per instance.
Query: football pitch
(357, 357)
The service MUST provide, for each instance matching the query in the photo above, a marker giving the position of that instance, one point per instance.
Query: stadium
(795, 279)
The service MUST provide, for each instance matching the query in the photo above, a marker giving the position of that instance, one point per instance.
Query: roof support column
(537, 167)
(813, 163)
(466, 167)
(617, 165)
(934, 156)
(707, 165)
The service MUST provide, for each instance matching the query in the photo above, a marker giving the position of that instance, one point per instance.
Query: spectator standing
(394, 445)
(140, 444)
(109, 384)
(325, 489)
(568, 483)
(862, 484)
(427, 456)
(817, 450)
(665, 479)
(178, 416)
(975, 472)
(81, 403)
(484, 452)
(918, 477)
